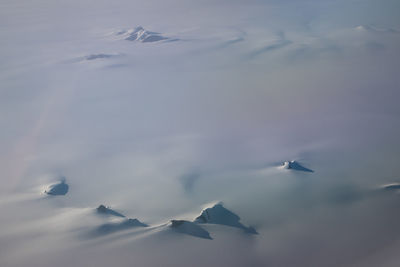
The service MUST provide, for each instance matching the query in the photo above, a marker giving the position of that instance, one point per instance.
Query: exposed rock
(220, 215)
(392, 187)
(108, 211)
(126, 224)
(58, 189)
(294, 165)
(139, 34)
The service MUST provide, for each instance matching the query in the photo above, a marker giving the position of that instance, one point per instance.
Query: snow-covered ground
(199, 133)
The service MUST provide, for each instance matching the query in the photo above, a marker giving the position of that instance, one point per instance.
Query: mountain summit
(60, 188)
(139, 34)
(220, 215)
(294, 165)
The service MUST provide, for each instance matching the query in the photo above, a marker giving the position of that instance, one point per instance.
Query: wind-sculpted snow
(58, 189)
(294, 165)
(189, 180)
(220, 215)
(108, 211)
(124, 224)
(373, 29)
(189, 228)
(279, 43)
(99, 56)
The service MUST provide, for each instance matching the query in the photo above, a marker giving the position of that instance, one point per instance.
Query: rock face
(58, 189)
(220, 215)
(392, 187)
(108, 211)
(139, 34)
(294, 165)
(126, 224)
(98, 56)
(189, 228)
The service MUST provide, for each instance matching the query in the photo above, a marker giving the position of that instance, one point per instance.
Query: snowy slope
(155, 126)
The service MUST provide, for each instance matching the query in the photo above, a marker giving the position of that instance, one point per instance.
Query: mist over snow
(125, 125)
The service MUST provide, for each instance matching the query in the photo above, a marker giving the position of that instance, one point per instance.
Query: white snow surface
(159, 108)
